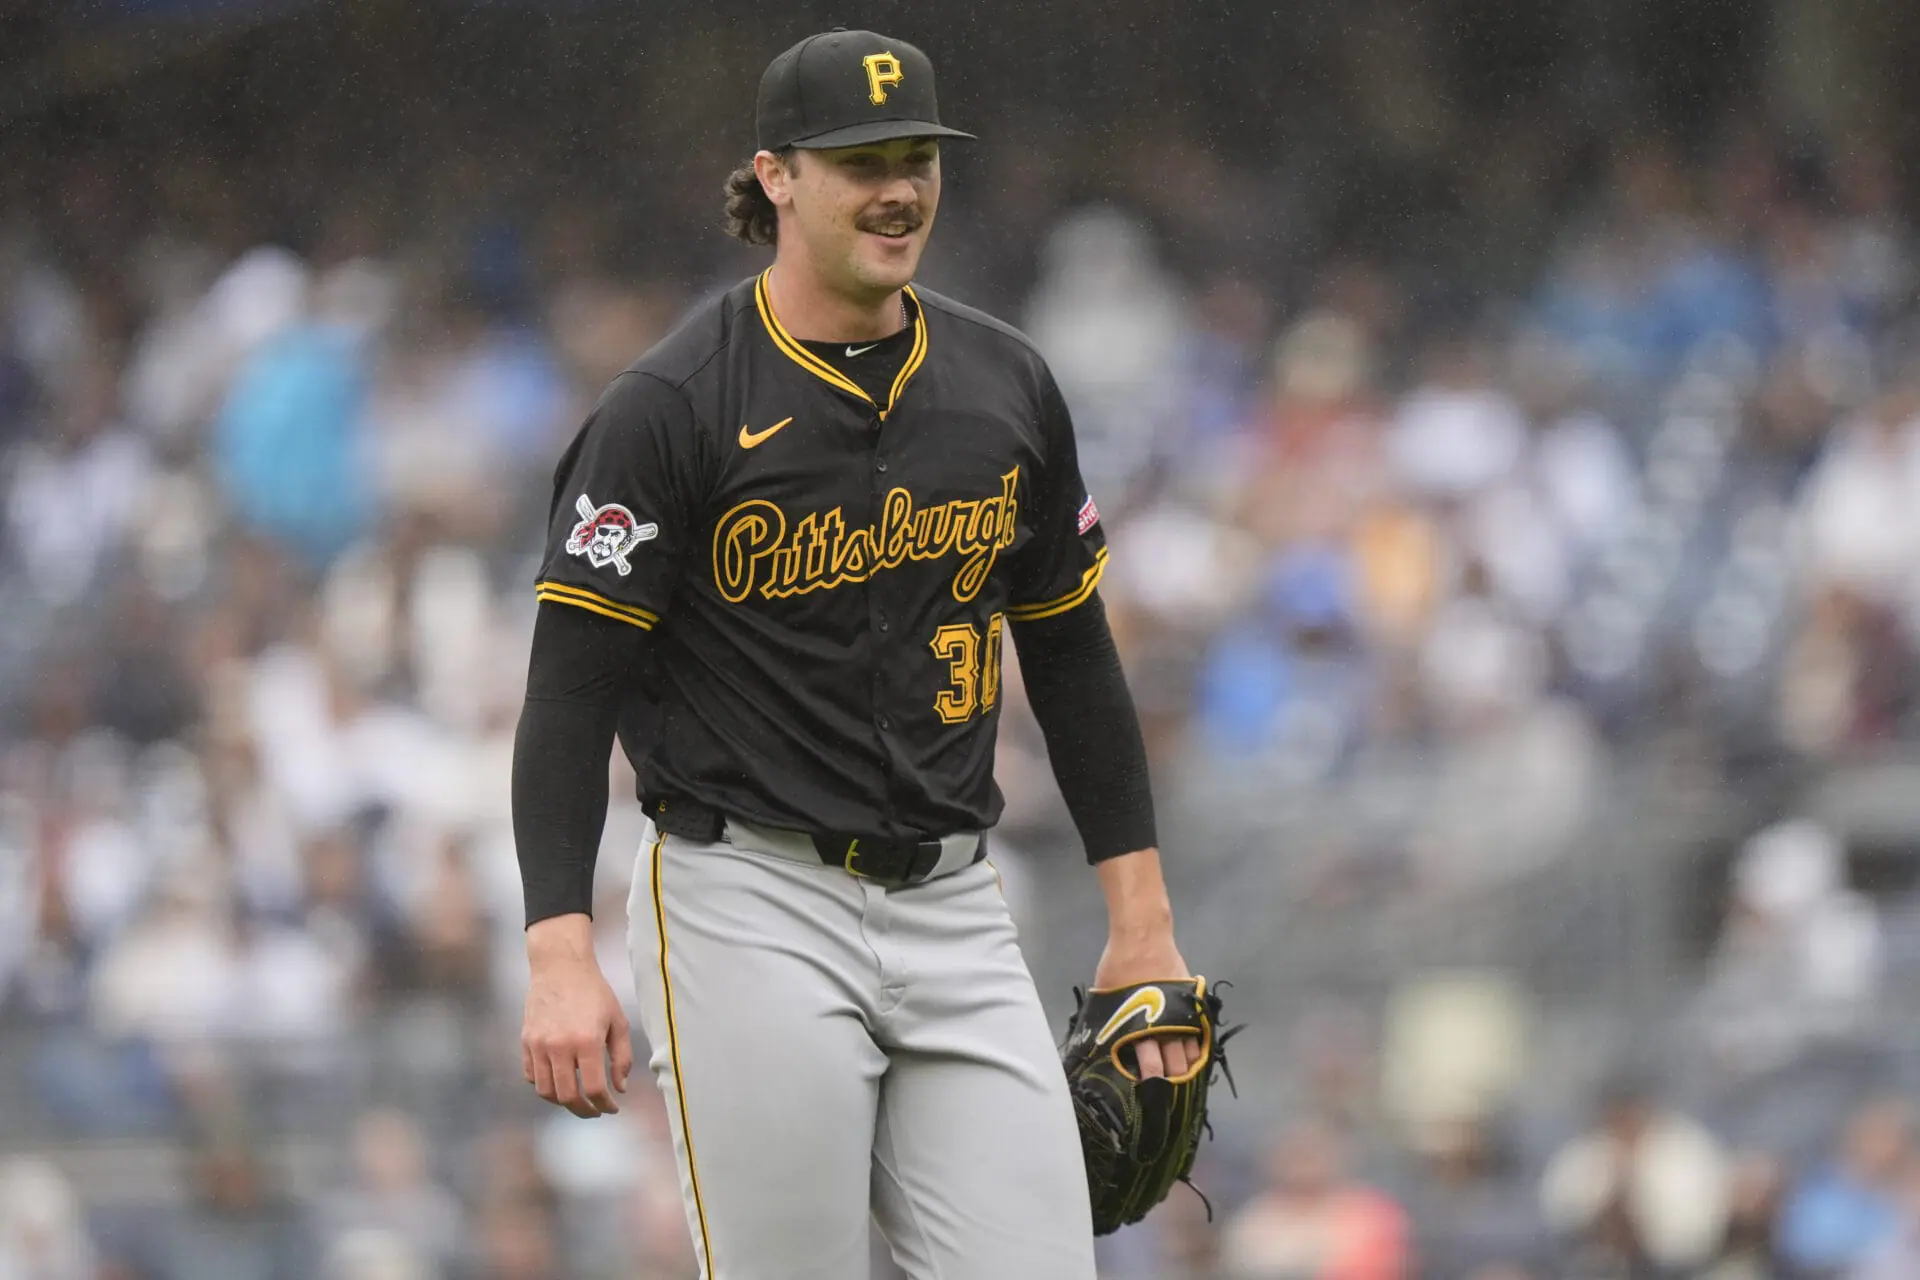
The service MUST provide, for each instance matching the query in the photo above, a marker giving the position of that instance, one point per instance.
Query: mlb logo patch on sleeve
(1089, 514)
(606, 535)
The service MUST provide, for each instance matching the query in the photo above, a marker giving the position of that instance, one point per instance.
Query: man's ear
(776, 176)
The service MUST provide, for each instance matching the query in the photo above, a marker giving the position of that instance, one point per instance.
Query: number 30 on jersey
(973, 669)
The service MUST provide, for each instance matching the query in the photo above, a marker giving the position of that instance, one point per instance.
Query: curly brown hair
(750, 215)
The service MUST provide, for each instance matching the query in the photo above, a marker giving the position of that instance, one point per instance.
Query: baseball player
(786, 548)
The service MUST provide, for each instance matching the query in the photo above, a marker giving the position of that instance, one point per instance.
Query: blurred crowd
(269, 515)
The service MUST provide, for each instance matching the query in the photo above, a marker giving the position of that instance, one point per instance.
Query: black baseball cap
(843, 88)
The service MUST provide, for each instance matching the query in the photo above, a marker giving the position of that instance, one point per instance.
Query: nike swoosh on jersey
(860, 351)
(1148, 1000)
(748, 439)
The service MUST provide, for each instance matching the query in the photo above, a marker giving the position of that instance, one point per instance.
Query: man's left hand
(1149, 957)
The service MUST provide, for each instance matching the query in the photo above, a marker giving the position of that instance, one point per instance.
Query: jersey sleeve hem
(592, 602)
(1079, 595)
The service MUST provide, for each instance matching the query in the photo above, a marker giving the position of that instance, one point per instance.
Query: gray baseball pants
(831, 1049)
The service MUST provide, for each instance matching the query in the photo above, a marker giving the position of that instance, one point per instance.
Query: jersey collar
(827, 373)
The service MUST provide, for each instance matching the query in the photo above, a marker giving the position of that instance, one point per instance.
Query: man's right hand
(574, 1023)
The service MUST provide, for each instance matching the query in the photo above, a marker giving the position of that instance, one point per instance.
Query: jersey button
(885, 722)
(880, 465)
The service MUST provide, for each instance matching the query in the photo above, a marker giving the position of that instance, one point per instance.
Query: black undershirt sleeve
(1079, 694)
(581, 667)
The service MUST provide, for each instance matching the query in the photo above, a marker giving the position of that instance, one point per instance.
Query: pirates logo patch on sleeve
(605, 535)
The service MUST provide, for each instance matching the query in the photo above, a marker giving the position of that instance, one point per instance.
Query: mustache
(911, 219)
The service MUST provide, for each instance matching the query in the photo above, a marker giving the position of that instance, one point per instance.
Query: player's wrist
(1126, 963)
(560, 939)
(1135, 941)
(1137, 903)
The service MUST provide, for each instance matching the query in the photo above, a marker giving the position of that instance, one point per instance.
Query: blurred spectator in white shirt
(1515, 784)
(373, 1254)
(1579, 464)
(1110, 321)
(20, 892)
(43, 314)
(172, 976)
(1587, 477)
(43, 1233)
(393, 1190)
(1177, 574)
(1861, 506)
(1873, 240)
(1644, 1185)
(294, 994)
(249, 822)
(1798, 960)
(1458, 432)
(177, 365)
(92, 866)
(1178, 566)
(334, 750)
(188, 351)
(77, 497)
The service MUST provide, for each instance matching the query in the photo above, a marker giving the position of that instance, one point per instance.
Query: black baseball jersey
(827, 575)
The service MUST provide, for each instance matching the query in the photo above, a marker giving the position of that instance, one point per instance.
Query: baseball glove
(1140, 1136)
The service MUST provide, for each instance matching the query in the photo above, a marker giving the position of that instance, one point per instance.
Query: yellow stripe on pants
(673, 1052)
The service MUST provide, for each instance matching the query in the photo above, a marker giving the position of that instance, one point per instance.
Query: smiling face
(860, 216)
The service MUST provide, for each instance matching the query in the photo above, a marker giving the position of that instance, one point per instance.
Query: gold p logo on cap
(883, 69)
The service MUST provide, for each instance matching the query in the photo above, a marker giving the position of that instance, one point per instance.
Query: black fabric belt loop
(891, 861)
(688, 819)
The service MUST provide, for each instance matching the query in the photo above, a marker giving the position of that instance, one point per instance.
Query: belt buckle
(853, 856)
(892, 863)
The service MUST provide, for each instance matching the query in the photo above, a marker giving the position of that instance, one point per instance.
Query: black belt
(892, 860)
(889, 861)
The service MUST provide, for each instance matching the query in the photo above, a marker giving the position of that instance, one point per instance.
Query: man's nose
(898, 190)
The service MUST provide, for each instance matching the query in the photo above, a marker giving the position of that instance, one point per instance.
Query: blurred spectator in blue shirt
(1637, 291)
(1291, 677)
(1898, 1256)
(1844, 1211)
(287, 443)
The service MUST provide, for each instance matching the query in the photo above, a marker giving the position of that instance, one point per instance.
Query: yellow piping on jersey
(1048, 608)
(827, 373)
(592, 602)
(673, 1053)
